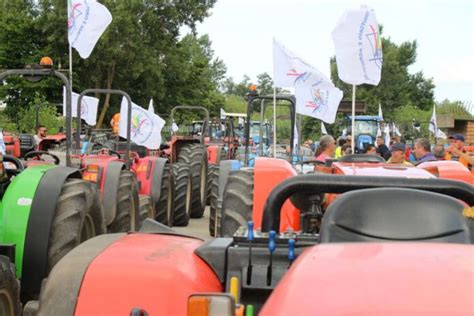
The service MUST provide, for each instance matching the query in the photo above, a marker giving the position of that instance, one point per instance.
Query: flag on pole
(316, 101)
(358, 46)
(145, 128)
(380, 112)
(223, 114)
(379, 132)
(151, 109)
(174, 127)
(323, 129)
(87, 20)
(395, 129)
(433, 124)
(290, 69)
(441, 134)
(89, 106)
(387, 134)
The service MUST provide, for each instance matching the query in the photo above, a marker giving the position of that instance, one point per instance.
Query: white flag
(344, 133)
(318, 102)
(387, 134)
(223, 114)
(174, 127)
(380, 112)
(145, 128)
(151, 109)
(358, 47)
(441, 134)
(289, 69)
(87, 20)
(89, 106)
(323, 129)
(433, 124)
(296, 137)
(379, 132)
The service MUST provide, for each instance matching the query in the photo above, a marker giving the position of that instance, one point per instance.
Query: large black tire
(195, 156)
(183, 194)
(94, 222)
(146, 208)
(237, 205)
(67, 230)
(127, 217)
(216, 203)
(9, 289)
(165, 205)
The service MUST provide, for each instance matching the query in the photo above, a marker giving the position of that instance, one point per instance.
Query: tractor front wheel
(165, 205)
(237, 205)
(127, 217)
(146, 207)
(9, 289)
(216, 203)
(183, 194)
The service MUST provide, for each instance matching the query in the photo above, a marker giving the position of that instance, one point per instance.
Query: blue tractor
(365, 130)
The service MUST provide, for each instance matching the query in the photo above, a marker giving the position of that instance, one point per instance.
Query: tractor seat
(361, 158)
(394, 214)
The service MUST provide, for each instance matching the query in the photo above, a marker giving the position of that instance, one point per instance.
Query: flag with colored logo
(87, 20)
(290, 70)
(358, 47)
(89, 106)
(145, 128)
(318, 101)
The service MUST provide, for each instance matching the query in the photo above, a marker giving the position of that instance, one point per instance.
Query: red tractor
(380, 242)
(155, 181)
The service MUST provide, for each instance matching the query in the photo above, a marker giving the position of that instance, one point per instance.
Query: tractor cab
(365, 130)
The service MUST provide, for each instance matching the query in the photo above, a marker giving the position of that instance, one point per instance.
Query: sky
(241, 32)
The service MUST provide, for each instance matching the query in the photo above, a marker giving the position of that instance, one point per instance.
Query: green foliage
(404, 118)
(455, 108)
(47, 116)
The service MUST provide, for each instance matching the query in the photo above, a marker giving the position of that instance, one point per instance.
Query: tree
(397, 86)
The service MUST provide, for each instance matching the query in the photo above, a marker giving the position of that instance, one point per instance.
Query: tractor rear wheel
(9, 289)
(237, 202)
(127, 217)
(183, 194)
(216, 203)
(146, 207)
(165, 205)
(195, 155)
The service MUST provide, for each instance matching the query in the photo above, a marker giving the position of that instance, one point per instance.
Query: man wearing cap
(382, 149)
(456, 150)
(398, 154)
(422, 151)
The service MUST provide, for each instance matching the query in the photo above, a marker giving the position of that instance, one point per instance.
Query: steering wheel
(99, 146)
(39, 153)
(17, 162)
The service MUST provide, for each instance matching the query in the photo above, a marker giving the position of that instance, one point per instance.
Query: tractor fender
(157, 177)
(268, 173)
(213, 154)
(60, 290)
(111, 184)
(161, 272)
(225, 167)
(446, 169)
(35, 254)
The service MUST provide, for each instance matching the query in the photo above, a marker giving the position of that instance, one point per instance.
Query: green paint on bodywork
(15, 210)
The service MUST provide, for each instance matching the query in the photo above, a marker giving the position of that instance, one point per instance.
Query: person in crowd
(439, 152)
(382, 149)
(398, 154)
(338, 153)
(326, 149)
(114, 123)
(346, 149)
(422, 151)
(456, 150)
(40, 134)
(370, 150)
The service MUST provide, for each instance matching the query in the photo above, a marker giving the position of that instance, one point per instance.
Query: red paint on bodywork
(102, 161)
(268, 173)
(156, 273)
(143, 168)
(380, 170)
(212, 157)
(447, 169)
(377, 279)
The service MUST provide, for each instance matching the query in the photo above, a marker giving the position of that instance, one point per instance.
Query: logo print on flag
(73, 14)
(375, 43)
(142, 125)
(319, 102)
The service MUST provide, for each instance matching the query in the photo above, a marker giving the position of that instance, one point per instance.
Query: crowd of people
(397, 152)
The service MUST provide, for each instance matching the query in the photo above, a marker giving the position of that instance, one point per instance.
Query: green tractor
(45, 211)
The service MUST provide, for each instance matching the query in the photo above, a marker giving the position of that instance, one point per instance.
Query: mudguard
(268, 173)
(112, 274)
(225, 167)
(26, 214)
(149, 171)
(446, 169)
(109, 189)
(398, 278)
(213, 154)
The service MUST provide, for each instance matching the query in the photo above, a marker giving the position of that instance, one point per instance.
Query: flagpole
(274, 122)
(70, 65)
(353, 119)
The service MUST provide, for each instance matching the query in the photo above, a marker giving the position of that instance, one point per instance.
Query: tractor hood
(377, 279)
(381, 169)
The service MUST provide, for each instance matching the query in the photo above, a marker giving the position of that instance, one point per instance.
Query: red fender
(12, 145)
(377, 279)
(447, 169)
(155, 273)
(268, 173)
(143, 168)
(213, 154)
